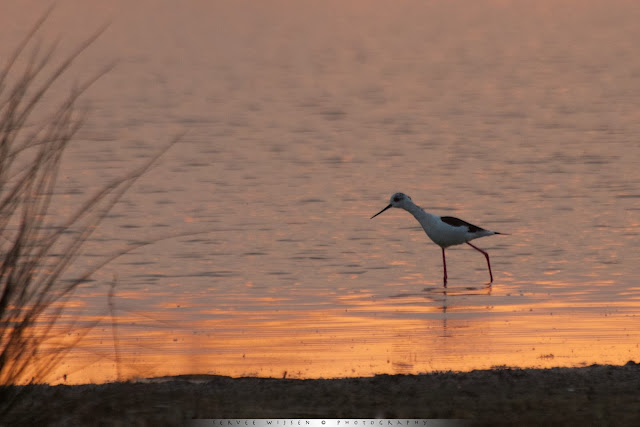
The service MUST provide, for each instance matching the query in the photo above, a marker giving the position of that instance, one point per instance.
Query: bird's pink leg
(486, 255)
(444, 264)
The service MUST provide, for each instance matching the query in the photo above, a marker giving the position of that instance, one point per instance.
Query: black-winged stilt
(445, 231)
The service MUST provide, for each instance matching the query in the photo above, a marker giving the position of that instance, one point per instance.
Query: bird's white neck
(425, 219)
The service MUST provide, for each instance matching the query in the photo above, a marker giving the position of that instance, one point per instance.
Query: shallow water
(302, 121)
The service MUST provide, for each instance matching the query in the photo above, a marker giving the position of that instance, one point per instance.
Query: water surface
(303, 120)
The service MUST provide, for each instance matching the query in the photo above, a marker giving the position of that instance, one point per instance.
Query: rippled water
(302, 120)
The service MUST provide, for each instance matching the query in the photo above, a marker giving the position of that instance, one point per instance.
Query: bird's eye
(397, 198)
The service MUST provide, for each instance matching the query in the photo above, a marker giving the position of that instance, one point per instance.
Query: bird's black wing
(457, 222)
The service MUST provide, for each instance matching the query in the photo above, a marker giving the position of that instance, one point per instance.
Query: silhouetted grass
(37, 247)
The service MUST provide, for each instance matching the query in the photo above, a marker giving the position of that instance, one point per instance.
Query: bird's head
(398, 200)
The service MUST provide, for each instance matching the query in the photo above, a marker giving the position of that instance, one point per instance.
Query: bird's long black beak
(381, 211)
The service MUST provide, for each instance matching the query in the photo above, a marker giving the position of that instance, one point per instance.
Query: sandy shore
(594, 395)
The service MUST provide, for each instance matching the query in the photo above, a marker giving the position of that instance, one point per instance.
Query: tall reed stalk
(37, 247)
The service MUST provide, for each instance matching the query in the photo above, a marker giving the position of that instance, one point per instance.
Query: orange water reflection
(297, 135)
(360, 335)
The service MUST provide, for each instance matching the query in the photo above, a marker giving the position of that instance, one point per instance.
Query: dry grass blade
(36, 249)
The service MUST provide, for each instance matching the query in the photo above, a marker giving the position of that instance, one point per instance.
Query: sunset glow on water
(302, 121)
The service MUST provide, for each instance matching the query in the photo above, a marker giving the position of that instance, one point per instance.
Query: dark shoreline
(593, 395)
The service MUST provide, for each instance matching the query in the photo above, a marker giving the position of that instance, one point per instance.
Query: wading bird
(445, 231)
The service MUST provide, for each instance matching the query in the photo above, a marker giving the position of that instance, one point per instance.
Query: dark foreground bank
(594, 395)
